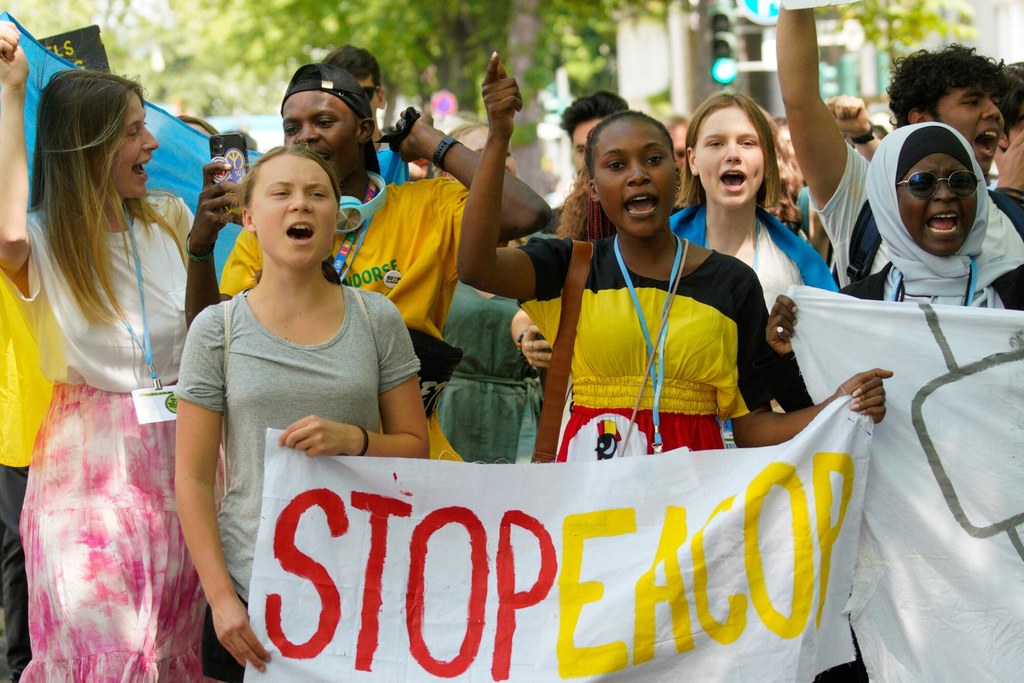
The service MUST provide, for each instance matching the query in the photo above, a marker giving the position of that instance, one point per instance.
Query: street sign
(443, 103)
(763, 12)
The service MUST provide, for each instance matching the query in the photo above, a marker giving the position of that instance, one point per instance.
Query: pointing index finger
(495, 70)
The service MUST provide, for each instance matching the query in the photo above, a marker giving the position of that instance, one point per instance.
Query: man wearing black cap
(406, 249)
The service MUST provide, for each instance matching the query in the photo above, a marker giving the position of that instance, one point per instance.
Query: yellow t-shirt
(407, 254)
(24, 393)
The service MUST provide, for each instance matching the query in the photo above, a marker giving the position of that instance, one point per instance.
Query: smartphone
(230, 148)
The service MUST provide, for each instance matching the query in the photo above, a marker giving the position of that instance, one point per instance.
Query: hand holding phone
(231, 149)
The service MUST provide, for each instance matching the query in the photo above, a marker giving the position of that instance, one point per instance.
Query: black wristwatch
(442, 148)
(863, 139)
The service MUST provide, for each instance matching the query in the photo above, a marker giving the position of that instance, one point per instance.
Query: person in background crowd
(791, 180)
(731, 176)
(364, 66)
(1009, 158)
(491, 407)
(97, 269)
(677, 126)
(202, 125)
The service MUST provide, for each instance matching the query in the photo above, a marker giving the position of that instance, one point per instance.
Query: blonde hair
(80, 130)
(245, 189)
(692, 191)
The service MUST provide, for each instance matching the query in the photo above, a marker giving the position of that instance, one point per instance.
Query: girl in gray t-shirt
(330, 365)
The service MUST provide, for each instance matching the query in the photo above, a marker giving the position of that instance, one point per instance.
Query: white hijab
(942, 278)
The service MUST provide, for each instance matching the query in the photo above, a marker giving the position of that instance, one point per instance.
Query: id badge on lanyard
(156, 404)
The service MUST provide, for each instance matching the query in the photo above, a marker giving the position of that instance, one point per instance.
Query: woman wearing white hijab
(928, 196)
(929, 200)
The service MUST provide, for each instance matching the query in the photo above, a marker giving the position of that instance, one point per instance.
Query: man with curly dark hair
(954, 85)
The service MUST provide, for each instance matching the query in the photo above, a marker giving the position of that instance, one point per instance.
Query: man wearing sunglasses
(954, 86)
(398, 240)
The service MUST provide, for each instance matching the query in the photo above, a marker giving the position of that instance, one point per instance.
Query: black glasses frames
(371, 91)
(925, 184)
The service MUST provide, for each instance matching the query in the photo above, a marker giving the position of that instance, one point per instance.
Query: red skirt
(600, 434)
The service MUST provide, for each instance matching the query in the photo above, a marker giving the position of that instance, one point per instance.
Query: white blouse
(75, 351)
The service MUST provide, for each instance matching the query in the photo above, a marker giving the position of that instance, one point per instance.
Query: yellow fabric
(609, 356)
(415, 233)
(24, 393)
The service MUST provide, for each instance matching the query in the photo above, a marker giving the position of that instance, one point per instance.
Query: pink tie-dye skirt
(113, 594)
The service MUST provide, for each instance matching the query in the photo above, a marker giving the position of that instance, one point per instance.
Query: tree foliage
(234, 57)
(900, 26)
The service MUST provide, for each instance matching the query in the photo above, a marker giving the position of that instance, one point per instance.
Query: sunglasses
(371, 91)
(924, 184)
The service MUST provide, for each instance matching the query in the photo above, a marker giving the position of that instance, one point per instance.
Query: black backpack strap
(864, 244)
(1011, 207)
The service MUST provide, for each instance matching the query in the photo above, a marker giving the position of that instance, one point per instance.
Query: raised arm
(14, 242)
(211, 215)
(523, 211)
(819, 146)
(481, 264)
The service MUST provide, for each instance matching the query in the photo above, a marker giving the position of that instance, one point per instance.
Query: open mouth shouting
(943, 224)
(300, 232)
(734, 180)
(985, 145)
(641, 205)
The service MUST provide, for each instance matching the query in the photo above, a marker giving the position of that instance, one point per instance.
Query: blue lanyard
(347, 256)
(972, 282)
(657, 369)
(147, 348)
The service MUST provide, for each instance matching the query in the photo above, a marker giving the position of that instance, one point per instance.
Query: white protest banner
(717, 565)
(939, 587)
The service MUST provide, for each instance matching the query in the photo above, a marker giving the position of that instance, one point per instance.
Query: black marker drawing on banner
(997, 362)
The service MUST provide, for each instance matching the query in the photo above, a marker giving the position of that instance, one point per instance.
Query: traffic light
(723, 42)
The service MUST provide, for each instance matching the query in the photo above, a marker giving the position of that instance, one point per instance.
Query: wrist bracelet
(197, 258)
(864, 138)
(442, 148)
(366, 441)
(519, 339)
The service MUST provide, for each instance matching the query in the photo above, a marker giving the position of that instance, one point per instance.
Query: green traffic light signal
(722, 19)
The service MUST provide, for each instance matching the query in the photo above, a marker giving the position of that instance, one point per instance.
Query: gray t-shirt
(272, 382)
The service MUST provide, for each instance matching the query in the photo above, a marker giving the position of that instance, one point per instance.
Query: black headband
(931, 140)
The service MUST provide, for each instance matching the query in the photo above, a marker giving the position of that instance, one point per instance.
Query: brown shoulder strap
(561, 356)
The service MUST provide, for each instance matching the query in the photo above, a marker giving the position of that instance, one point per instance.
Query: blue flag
(177, 165)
